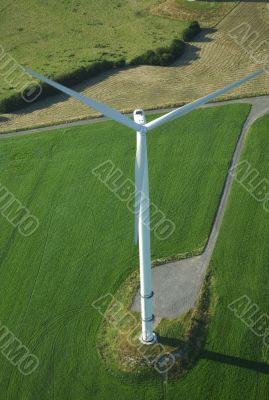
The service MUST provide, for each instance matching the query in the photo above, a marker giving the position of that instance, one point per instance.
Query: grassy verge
(168, 106)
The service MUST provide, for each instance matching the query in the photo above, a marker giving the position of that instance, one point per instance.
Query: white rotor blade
(139, 176)
(179, 112)
(102, 108)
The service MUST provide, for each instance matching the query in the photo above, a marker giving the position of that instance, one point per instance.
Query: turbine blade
(102, 108)
(179, 112)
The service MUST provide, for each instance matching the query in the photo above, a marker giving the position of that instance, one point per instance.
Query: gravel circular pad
(176, 286)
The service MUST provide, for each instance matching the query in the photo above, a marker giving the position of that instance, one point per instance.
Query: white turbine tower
(142, 228)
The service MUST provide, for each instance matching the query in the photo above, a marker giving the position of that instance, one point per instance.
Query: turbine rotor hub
(143, 129)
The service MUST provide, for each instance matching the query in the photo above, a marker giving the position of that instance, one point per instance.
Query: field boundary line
(226, 15)
(97, 119)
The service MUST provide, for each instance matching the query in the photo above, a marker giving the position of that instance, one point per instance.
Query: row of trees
(191, 31)
(161, 56)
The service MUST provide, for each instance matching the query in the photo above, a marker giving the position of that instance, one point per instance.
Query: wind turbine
(142, 217)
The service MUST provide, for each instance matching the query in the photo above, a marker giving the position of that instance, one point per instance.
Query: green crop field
(80, 33)
(84, 247)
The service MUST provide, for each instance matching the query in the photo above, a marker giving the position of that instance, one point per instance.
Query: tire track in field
(28, 202)
(52, 327)
(56, 323)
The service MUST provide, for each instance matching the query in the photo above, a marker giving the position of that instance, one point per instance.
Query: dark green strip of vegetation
(189, 33)
(161, 56)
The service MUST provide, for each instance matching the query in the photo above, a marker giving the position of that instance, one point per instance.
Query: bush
(189, 33)
(121, 63)
(195, 26)
(11, 103)
(161, 56)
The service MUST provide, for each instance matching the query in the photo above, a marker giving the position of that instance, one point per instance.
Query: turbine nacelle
(140, 118)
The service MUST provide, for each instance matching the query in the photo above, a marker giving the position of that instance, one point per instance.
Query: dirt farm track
(216, 58)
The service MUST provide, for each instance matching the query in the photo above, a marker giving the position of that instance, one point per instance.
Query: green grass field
(80, 33)
(84, 246)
